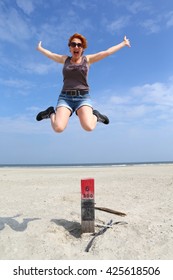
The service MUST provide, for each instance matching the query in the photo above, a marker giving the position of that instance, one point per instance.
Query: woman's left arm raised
(91, 58)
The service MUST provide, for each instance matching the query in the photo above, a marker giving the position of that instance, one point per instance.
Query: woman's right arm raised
(56, 57)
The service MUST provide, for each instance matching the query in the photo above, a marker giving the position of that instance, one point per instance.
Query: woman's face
(76, 48)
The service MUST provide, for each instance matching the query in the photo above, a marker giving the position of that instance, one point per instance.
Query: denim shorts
(73, 103)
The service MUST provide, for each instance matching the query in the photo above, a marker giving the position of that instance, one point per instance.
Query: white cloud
(80, 4)
(169, 18)
(15, 83)
(133, 6)
(118, 100)
(41, 68)
(137, 7)
(148, 103)
(151, 25)
(118, 24)
(23, 125)
(158, 22)
(13, 28)
(156, 93)
(27, 6)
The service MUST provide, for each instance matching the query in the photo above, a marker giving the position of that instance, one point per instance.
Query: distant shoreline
(85, 164)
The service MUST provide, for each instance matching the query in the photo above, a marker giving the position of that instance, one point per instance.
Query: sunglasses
(73, 45)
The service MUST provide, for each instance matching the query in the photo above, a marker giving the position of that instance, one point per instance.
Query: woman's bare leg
(87, 119)
(60, 119)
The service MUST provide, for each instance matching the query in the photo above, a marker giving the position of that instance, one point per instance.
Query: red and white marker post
(87, 206)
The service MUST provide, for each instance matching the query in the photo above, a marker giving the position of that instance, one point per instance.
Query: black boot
(101, 118)
(45, 114)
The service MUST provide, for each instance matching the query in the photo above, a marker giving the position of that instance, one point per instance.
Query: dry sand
(40, 213)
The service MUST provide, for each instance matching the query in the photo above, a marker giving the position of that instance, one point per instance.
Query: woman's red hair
(78, 36)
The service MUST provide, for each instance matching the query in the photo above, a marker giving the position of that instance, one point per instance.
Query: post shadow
(74, 228)
(14, 224)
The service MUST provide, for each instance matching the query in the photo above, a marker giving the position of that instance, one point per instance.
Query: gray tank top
(75, 75)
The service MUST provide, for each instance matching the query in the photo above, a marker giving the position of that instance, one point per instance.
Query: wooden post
(87, 206)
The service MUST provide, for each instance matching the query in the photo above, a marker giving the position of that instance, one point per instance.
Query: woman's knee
(58, 127)
(60, 120)
(88, 126)
(87, 119)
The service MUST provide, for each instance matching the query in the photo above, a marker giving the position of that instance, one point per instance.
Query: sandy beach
(40, 213)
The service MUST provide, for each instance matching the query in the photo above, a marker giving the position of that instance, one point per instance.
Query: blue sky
(134, 87)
